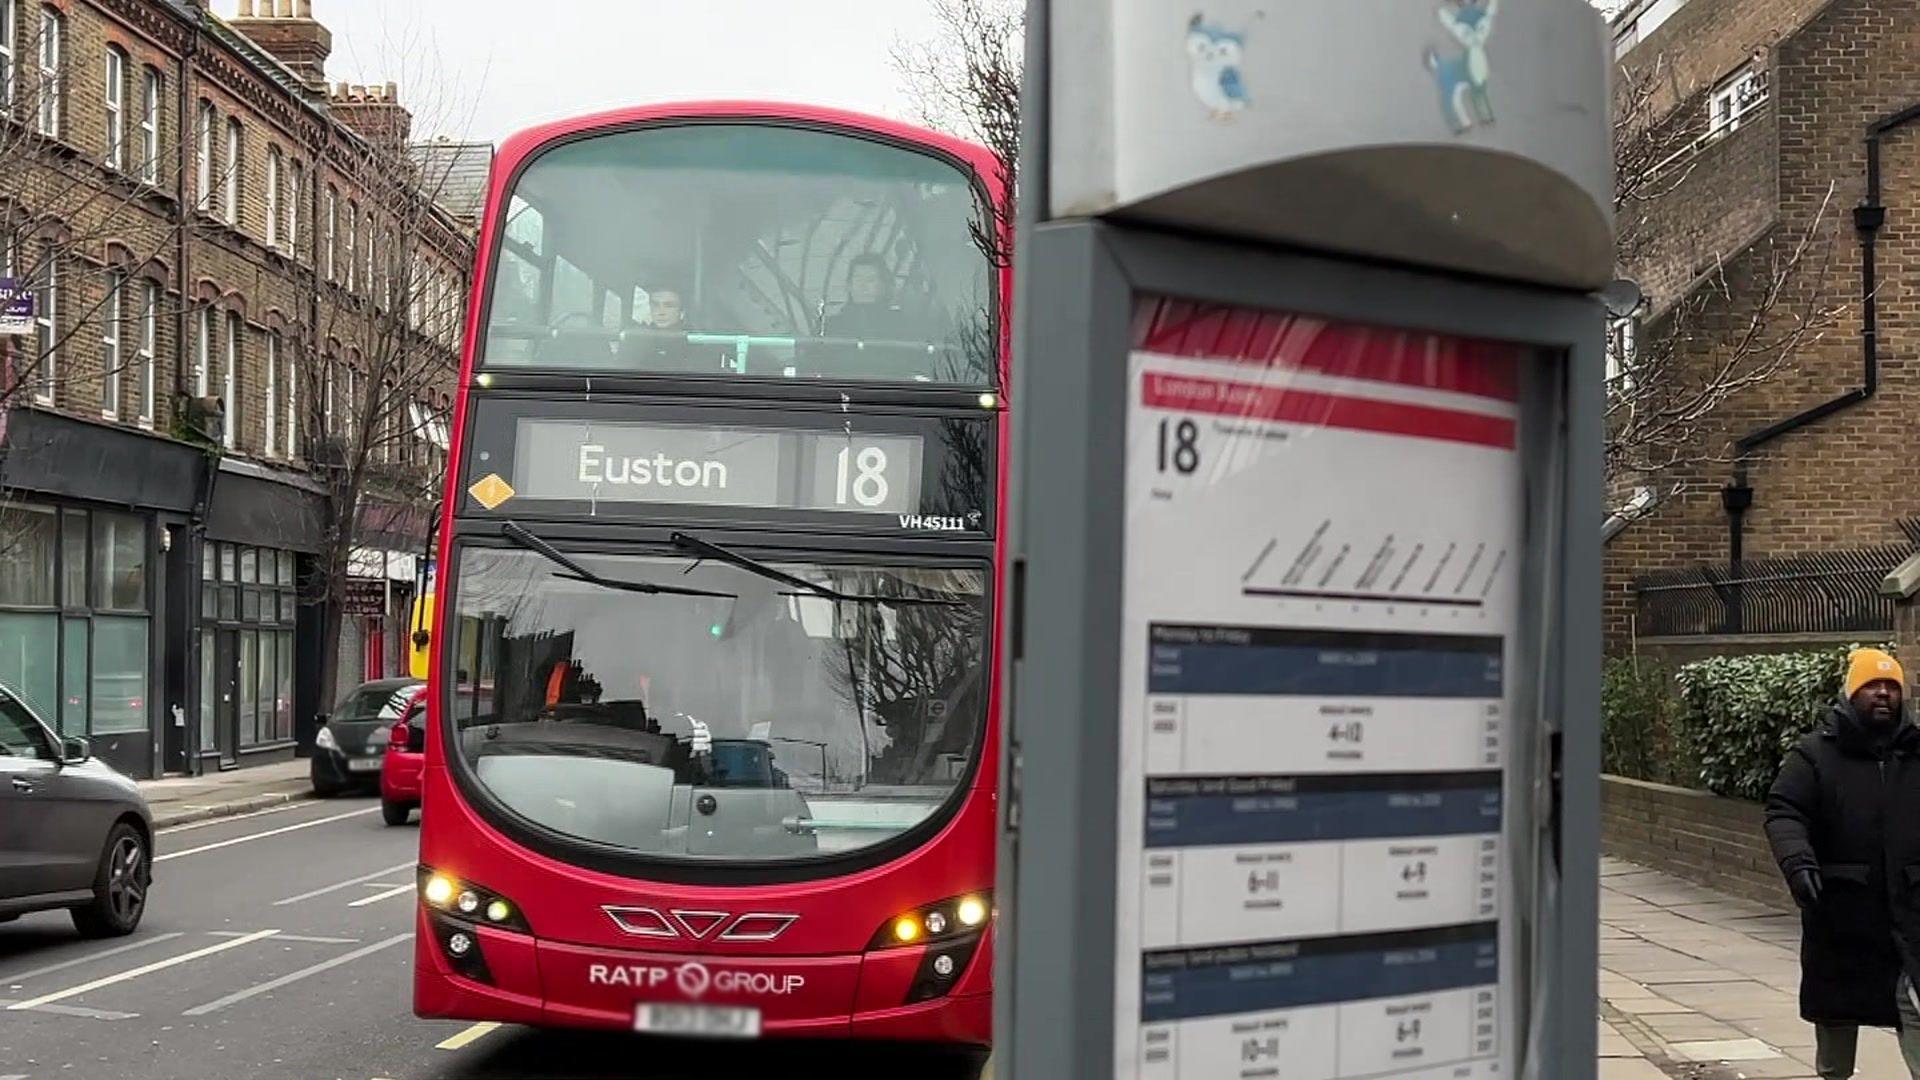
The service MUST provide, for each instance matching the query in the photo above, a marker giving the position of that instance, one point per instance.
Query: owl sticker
(1213, 56)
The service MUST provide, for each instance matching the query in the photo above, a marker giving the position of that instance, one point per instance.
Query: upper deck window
(743, 250)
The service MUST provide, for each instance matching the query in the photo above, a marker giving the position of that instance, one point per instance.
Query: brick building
(246, 305)
(1774, 116)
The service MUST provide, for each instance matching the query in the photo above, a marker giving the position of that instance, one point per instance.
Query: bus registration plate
(699, 1021)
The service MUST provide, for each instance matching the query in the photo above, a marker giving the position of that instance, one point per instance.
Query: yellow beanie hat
(1872, 665)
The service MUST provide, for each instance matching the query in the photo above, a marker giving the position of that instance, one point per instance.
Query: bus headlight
(950, 919)
(470, 903)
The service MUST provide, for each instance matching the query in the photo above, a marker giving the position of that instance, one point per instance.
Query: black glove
(1805, 885)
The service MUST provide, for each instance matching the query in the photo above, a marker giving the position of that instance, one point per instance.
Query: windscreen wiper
(517, 533)
(707, 549)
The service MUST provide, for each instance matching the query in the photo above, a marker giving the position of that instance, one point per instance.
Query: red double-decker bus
(710, 747)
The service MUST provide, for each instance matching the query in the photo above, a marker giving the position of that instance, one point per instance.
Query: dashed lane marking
(465, 1038)
(145, 969)
(382, 895)
(304, 939)
(87, 959)
(263, 835)
(293, 977)
(345, 884)
(76, 1010)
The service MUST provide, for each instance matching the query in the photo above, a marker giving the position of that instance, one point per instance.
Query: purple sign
(16, 307)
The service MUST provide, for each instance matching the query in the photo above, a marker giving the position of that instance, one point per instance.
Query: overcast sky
(483, 69)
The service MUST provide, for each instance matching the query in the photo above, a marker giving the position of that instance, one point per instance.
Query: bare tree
(86, 235)
(376, 371)
(965, 80)
(1751, 316)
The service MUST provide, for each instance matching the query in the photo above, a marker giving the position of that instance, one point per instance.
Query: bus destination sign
(716, 465)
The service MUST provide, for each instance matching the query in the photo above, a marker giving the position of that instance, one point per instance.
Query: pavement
(179, 800)
(1698, 985)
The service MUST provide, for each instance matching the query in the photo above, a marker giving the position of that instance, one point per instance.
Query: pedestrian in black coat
(1843, 819)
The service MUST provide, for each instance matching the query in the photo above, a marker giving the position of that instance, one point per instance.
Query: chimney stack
(374, 113)
(287, 30)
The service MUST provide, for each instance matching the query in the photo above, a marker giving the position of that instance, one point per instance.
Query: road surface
(279, 944)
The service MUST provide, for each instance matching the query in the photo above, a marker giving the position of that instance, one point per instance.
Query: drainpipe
(182, 210)
(1868, 218)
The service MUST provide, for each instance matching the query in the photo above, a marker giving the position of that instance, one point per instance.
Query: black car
(347, 752)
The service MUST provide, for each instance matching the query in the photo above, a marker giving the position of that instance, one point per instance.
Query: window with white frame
(203, 164)
(46, 322)
(232, 185)
(52, 29)
(112, 312)
(353, 231)
(230, 387)
(272, 414)
(297, 196)
(367, 249)
(144, 353)
(1733, 99)
(273, 197)
(332, 226)
(349, 408)
(203, 352)
(293, 399)
(150, 126)
(116, 104)
(1622, 349)
(11, 16)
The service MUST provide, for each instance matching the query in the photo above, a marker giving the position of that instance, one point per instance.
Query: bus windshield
(734, 249)
(765, 721)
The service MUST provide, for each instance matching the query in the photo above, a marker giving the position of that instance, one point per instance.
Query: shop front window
(74, 634)
(119, 674)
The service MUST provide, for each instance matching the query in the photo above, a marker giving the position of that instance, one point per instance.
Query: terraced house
(224, 415)
(1770, 212)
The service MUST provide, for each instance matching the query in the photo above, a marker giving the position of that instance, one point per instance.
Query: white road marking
(75, 1010)
(473, 1034)
(305, 939)
(379, 896)
(296, 976)
(345, 884)
(87, 959)
(146, 969)
(263, 835)
(171, 829)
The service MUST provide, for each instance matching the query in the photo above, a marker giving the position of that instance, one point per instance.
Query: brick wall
(1705, 40)
(104, 222)
(1845, 481)
(1694, 835)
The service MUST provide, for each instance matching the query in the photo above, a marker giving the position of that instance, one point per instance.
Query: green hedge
(1639, 723)
(1743, 713)
(1722, 724)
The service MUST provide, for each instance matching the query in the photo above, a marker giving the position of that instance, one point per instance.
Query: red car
(406, 753)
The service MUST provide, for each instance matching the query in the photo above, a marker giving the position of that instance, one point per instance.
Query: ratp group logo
(693, 978)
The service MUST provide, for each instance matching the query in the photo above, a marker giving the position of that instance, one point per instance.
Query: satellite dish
(1622, 298)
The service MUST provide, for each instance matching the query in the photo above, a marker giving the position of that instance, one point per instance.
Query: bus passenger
(868, 314)
(663, 345)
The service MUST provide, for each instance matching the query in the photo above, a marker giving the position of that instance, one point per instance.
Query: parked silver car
(74, 833)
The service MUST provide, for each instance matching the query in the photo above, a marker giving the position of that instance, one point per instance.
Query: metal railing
(1824, 592)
